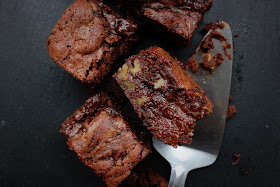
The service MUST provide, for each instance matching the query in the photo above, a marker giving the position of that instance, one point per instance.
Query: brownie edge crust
(88, 39)
(103, 140)
(166, 98)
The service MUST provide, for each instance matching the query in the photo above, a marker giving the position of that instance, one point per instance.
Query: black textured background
(37, 95)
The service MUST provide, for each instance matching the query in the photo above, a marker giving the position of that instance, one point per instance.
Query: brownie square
(179, 17)
(180, 22)
(103, 139)
(166, 98)
(88, 39)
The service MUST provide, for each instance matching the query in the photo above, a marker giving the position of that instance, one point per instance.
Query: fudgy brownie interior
(165, 97)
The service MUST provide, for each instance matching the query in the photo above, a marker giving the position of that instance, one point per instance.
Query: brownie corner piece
(179, 17)
(103, 139)
(180, 22)
(88, 39)
(166, 98)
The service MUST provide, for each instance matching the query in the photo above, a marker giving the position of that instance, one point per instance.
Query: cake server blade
(209, 131)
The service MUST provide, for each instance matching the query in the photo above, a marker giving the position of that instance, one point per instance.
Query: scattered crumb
(231, 111)
(218, 25)
(207, 44)
(266, 126)
(229, 56)
(225, 47)
(236, 35)
(193, 64)
(217, 35)
(231, 108)
(237, 156)
(207, 27)
(210, 62)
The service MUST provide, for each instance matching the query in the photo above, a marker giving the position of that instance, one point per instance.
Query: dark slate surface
(37, 95)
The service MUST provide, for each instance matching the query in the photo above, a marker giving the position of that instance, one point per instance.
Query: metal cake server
(209, 130)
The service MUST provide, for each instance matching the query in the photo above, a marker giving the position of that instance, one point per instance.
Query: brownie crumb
(209, 26)
(207, 44)
(217, 35)
(211, 62)
(231, 111)
(218, 25)
(193, 64)
(237, 156)
(144, 177)
(236, 35)
(225, 47)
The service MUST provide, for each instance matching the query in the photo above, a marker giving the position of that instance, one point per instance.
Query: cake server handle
(178, 176)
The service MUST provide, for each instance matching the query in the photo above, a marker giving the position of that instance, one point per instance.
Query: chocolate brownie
(166, 98)
(179, 21)
(145, 177)
(103, 139)
(180, 17)
(88, 39)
